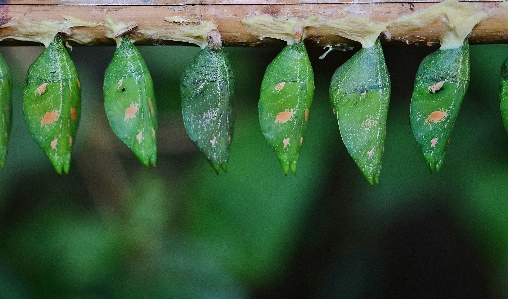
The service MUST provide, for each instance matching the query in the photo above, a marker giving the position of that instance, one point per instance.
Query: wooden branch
(228, 15)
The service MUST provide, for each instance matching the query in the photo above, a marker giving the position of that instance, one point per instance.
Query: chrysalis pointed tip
(61, 164)
(293, 167)
(285, 167)
(435, 167)
(150, 162)
(60, 169)
(434, 164)
(218, 167)
(373, 180)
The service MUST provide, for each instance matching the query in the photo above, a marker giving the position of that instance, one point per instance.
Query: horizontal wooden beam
(154, 29)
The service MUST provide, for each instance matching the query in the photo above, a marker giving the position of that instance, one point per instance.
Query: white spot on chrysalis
(285, 142)
(371, 152)
(433, 142)
(54, 143)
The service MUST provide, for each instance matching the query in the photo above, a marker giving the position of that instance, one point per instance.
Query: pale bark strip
(153, 29)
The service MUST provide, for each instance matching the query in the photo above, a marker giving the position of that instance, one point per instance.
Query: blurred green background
(114, 229)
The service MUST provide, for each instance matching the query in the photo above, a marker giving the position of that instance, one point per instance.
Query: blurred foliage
(114, 229)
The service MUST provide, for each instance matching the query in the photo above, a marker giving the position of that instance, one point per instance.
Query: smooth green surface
(208, 91)
(441, 83)
(52, 104)
(5, 109)
(130, 104)
(360, 95)
(286, 95)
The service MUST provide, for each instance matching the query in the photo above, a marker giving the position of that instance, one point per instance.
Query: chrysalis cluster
(440, 86)
(52, 103)
(129, 101)
(504, 93)
(5, 109)
(207, 91)
(286, 96)
(360, 94)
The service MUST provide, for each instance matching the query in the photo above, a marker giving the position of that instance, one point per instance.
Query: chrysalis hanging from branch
(286, 96)
(360, 94)
(52, 103)
(207, 91)
(440, 86)
(5, 109)
(129, 100)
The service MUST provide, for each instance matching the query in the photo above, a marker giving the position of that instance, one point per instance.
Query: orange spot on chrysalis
(130, 112)
(301, 141)
(49, 118)
(436, 116)
(307, 112)
(74, 114)
(41, 89)
(280, 86)
(139, 137)
(70, 140)
(54, 142)
(79, 83)
(151, 106)
(285, 142)
(283, 117)
(436, 87)
(433, 142)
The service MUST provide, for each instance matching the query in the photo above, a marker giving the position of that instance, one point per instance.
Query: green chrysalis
(130, 102)
(440, 86)
(504, 93)
(286, 95)
(52, 103)
(6, 109)
(360, 94)
(207, 91)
